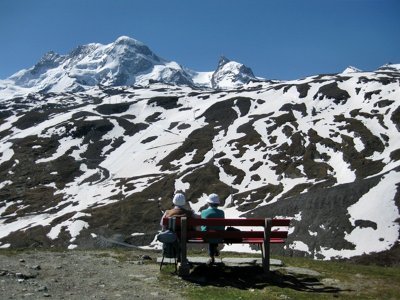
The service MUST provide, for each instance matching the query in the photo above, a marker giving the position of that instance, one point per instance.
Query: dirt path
(82, 275)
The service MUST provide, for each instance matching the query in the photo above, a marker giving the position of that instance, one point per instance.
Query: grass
(341, 280)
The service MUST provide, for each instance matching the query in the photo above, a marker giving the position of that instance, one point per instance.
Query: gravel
(78, 274)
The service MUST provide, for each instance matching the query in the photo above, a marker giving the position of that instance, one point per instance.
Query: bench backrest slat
(231, 222)
(226, 222)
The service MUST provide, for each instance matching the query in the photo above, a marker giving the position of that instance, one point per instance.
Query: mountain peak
(130, 42)
(126, 40)
(223, 61)
(231, 74)
(351, 69)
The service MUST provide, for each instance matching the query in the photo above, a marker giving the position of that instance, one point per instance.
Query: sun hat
(213, 199)
(179, 199)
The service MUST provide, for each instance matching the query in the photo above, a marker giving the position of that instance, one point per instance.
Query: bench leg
(266, 246)
(265, 257)
(184, 267)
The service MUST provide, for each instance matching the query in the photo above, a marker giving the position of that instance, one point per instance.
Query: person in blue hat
(212, 212)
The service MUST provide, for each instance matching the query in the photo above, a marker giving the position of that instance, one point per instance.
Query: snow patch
(300, 246)
(137, 234)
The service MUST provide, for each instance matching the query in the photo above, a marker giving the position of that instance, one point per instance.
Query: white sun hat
(179, 199)
(213, 199)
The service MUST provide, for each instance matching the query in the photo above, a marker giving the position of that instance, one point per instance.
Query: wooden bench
(267, 233)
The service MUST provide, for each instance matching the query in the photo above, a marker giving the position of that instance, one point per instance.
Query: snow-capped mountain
(389, 68)
(76, 167)
(351, 69)
(231, 74)
(121, 63)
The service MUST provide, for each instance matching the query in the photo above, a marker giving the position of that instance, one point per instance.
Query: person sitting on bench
(212, 212)
(178, 210)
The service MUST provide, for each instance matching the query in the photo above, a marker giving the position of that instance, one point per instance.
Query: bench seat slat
(243, 241)
(236, 222)
(260, 241)
(235, 234)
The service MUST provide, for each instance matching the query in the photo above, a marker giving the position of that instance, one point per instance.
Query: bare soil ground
(82, 275)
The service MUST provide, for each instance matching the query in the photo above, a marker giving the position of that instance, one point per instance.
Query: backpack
(170, 247)
(167, 236)
(232, 240)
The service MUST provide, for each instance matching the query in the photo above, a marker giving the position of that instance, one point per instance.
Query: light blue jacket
(212, 212)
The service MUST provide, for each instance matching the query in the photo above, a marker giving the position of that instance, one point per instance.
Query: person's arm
(161, 221)
(203, 215)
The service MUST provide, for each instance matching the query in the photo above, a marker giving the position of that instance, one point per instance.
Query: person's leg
(216, 253)
(212, 251)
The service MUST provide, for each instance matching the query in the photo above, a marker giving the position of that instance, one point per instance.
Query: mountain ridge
(121, 63)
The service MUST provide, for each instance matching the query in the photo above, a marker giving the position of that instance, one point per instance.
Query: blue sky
(277, 39)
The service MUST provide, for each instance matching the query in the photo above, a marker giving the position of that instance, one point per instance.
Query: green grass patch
(342, 280)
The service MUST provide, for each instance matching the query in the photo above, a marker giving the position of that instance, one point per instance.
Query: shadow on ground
(253, 277)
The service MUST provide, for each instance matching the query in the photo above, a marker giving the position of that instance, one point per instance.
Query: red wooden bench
(267, 233)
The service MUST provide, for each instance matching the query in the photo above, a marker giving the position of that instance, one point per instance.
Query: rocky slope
(104, 162)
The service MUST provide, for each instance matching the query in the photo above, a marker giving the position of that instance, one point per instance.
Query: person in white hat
(179, 209)
(212, 212)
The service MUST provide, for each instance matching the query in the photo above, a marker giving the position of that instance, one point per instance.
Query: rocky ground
(131, 274)
(122, 273)
(82, 275)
